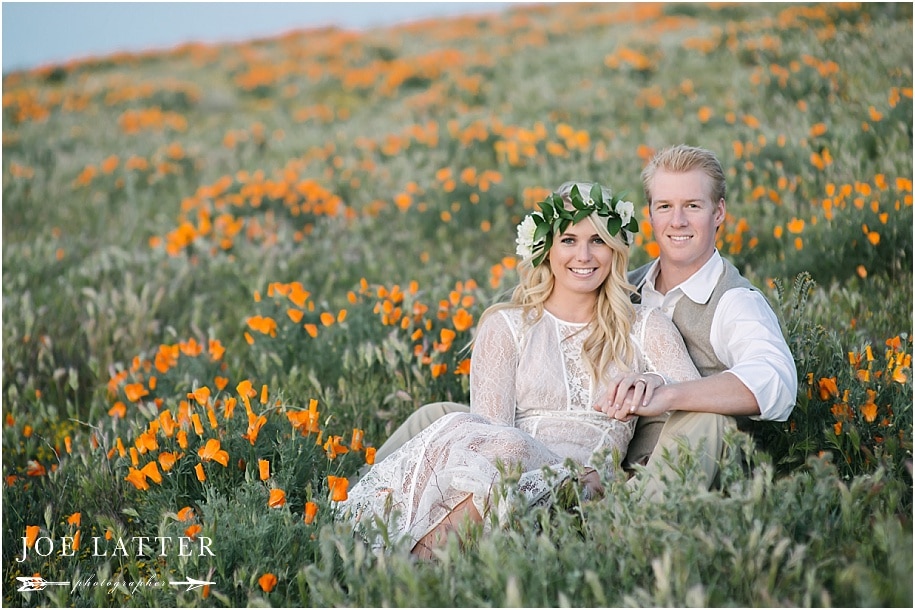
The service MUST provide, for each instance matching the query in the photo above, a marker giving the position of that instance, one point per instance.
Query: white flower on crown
(625, 209)
(525, 239)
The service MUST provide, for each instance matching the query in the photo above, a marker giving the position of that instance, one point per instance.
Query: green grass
(155, 205)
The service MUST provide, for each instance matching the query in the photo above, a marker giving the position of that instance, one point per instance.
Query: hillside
(282, 245)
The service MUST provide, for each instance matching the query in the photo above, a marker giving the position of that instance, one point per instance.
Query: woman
(540, 363)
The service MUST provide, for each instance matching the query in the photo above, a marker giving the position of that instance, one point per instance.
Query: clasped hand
(631, 395)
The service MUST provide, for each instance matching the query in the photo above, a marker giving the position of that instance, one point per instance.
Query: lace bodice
(531, 374)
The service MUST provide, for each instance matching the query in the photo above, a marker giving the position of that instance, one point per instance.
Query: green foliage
(282, 247)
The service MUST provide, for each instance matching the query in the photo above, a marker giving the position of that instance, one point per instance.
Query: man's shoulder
(733, 278)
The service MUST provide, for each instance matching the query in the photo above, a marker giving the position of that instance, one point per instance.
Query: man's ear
(720, 212)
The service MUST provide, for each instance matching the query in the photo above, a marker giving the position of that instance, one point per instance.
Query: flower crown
(536, 231)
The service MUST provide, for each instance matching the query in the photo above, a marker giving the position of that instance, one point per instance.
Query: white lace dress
(531, 406)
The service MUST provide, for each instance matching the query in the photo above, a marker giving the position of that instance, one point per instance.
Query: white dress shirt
(745, 335)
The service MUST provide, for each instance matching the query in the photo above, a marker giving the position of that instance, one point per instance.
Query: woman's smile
(583, 272)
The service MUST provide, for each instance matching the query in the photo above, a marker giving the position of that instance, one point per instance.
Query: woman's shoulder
(501, 315)
(499, 324)
(650, 317)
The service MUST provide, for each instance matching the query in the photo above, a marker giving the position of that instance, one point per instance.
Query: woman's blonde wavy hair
(614, 313)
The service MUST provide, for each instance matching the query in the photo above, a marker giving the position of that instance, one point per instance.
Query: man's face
(684, 220)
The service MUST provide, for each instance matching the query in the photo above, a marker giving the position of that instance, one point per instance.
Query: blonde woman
(539, 365)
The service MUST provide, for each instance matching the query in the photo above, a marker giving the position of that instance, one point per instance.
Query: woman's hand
(592, 488)
(628, 395)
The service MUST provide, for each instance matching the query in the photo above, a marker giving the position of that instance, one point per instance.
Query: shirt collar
(699, 286)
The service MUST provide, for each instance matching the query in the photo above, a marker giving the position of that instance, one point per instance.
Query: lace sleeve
(663, 350)
(493, 367)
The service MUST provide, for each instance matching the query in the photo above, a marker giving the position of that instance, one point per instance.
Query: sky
(38, 33)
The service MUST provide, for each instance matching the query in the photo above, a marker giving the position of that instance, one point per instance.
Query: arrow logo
(192, 583)
(36, 583)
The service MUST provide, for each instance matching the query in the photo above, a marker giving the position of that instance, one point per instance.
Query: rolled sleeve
(748, 340)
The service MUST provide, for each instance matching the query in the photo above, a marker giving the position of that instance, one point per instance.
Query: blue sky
(36, 33)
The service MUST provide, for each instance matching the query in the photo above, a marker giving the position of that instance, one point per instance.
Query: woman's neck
(579, 309)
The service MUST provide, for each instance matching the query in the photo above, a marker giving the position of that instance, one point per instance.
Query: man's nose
(679, 218)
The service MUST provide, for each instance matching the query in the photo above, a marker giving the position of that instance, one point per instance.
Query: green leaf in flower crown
(577, 201)
(581, 215)
(597, 193)
(614, 224)
(541, 231)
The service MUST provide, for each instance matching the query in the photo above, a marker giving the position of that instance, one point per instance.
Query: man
(731, 332)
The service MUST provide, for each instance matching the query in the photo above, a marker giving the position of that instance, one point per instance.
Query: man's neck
(670, 276)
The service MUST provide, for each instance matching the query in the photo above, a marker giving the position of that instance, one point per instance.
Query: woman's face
(580, 260)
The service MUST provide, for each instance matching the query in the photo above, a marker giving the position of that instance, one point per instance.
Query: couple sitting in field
(587, 365)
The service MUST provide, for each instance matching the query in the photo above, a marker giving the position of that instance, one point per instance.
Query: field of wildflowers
(230, 271)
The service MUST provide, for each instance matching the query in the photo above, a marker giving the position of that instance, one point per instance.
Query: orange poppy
(198, 426)
(267, 582)
(277, 498)
(118, 410)
(356, 442)
(828, 387)
(31, 535)
(167, 460)
(135, 391)
(255, 422)
(137, 478)
(338, 488)
(151, 470)
(211, 451)
(311, 510)
(167, 423)
(192, 530)
(201, 395)
(462, 320)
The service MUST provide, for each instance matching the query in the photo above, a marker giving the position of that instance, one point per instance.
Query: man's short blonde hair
(681, 158)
